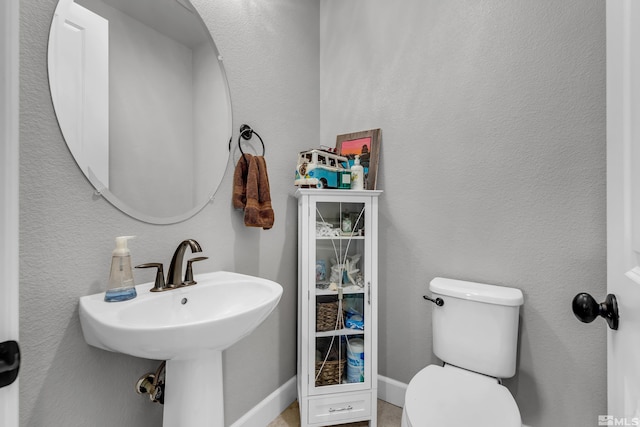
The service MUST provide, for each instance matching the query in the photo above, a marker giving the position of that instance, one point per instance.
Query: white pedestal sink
(188, 327)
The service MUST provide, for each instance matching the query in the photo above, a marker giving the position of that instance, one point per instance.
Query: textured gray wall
(493, 166)
(271, 52)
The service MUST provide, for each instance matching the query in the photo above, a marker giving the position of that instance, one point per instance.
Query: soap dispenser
(121, 286)
(357, 175)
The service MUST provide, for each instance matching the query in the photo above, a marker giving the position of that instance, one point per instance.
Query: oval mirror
(142, 100)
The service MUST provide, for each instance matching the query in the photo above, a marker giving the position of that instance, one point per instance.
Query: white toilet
(475, 334)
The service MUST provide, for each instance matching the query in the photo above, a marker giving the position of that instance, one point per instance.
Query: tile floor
(388, 416)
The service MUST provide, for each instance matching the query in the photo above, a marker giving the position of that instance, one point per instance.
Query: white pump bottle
(121, 286)
(357, 175)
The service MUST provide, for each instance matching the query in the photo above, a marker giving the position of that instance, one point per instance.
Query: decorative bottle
(357, 175)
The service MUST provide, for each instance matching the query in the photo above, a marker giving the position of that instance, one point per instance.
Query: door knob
(587, 309)
(9, 362)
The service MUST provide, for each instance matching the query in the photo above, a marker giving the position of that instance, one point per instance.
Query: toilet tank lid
(492, 294)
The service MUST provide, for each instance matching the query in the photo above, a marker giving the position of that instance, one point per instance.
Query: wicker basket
(331, 372)
(327, 317)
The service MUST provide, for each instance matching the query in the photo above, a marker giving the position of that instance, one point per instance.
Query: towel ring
(246, 133)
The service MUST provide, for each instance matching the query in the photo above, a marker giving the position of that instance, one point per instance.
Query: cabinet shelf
(342, 237)
(346, 291)
(340, 332)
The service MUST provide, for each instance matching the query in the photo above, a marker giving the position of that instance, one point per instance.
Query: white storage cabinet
(337, 306)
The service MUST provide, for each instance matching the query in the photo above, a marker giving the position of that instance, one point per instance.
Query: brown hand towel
(258, 211)
(239, 195)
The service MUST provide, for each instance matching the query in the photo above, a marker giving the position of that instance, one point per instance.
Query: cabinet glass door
(340, 297)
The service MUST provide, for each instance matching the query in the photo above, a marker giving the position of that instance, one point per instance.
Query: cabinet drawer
(344, 407)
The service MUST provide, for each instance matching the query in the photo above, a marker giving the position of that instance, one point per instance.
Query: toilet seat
(453, 397)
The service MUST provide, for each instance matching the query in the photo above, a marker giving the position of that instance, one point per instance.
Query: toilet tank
(477, 327)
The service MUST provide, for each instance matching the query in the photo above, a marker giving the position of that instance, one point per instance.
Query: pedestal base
(193, 392)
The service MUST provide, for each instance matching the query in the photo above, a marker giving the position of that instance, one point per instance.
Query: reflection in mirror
(143, 103)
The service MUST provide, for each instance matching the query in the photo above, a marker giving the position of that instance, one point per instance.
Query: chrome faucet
(175, 268)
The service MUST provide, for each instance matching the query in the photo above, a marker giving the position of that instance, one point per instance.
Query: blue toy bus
(322, 169)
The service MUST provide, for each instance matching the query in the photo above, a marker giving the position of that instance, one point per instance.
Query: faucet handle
(188, 276)
(159, 284)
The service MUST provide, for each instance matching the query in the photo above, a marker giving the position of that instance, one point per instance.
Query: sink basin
(188, 327)
(220, 310)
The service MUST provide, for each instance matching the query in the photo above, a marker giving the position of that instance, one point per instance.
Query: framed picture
(367, 145)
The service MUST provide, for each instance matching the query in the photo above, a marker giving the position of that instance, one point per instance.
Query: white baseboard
(391, 391)
(272, 406)
(263, 413)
